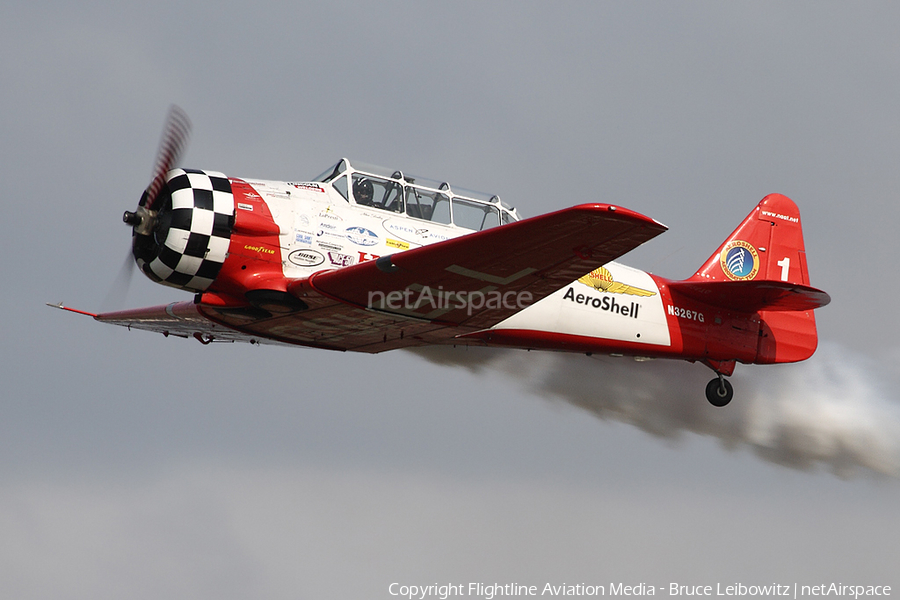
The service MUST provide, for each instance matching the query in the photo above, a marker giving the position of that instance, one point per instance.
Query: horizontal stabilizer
(753, 296)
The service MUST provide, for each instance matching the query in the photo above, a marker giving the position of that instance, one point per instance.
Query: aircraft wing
(477, 280)
(177, 319)
(427, 295)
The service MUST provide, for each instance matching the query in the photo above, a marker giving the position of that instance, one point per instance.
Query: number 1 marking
(785, 264)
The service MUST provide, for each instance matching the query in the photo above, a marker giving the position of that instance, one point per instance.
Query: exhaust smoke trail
(830, 411)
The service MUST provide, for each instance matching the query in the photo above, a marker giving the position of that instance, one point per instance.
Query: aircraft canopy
(418, 197)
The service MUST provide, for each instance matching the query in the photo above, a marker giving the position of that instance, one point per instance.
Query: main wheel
(719, 392)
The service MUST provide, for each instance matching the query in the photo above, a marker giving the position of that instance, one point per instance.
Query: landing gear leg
(719, 391)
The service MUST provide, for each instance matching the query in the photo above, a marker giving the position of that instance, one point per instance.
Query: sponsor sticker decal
(397, 244)
(787, 218)
(315, 187)
(306, 257)
(303, 238)
(338, 259)
(260, 249)
(604, 303)
(243, 206)
(329, 234)
(739, 261)
(362, 236)
(416, 235)
(602, 281)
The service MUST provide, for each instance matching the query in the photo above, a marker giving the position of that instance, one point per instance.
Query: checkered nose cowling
(189, 242)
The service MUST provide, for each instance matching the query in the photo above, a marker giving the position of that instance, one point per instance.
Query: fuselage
(289, 231)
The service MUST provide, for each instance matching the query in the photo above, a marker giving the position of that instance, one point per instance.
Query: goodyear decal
(260, 249)
(739, 261)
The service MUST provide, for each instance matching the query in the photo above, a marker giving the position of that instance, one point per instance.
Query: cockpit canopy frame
(418, 197)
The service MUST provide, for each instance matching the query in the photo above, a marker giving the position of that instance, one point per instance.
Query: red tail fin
(761, 268)
(767, 246)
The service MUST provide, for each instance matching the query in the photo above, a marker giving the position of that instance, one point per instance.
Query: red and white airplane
(367, 259)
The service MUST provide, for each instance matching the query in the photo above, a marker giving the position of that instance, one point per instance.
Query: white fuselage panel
(633, 314)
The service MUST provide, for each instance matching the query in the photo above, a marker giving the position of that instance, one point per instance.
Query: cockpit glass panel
(474, 195)
(340, 184)
(441, 209)
(423, 181)
(473, 215)
(332, 172)
(376, 192)
(428, 205)
(491, 218)
(373, 169)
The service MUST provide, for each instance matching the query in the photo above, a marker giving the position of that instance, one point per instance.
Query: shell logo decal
(602, 281)
(739, 261)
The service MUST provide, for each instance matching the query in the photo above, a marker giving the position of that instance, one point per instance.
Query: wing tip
(61, 306)
(597, 207)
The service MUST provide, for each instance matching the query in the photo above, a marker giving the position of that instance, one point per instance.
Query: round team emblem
(739, 261)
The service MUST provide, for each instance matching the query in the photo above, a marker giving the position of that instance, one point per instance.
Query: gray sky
(136, 466)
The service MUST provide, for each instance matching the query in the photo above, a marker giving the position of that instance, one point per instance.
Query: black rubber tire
(714, 392)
